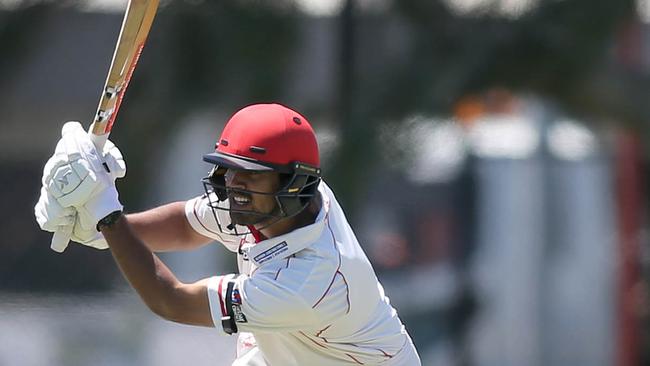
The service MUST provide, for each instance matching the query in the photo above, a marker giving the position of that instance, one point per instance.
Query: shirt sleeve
(256, 304)
(202, 219)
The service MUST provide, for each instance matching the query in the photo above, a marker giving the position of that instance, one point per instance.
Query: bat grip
(99, 141)
(62, 235)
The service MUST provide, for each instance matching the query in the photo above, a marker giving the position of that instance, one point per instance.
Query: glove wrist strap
(109, 220)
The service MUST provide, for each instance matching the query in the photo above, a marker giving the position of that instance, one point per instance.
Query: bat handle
(98, 140)
(61, 238)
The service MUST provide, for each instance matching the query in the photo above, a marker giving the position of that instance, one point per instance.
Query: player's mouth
(239, 200)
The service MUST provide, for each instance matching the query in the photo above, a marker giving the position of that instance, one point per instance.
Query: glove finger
(67, 220)
(88, 236)
(71, 127)
(85, 221)
(49, 213)
(52, 224)
(83, 234)
(70, 146)
(114, 160)
(61, 239)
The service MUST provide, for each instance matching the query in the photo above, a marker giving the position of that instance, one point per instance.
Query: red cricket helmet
(267, 137)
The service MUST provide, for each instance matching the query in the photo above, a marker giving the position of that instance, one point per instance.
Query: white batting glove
(74, 179)
(76, 169)
(53, 217)
(50, 215)
(86, 234)
(75, 175)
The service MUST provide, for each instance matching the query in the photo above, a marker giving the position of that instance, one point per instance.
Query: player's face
(240, 202)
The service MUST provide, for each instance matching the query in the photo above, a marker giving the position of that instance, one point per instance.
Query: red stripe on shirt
(355, 360)
(322, 330)
(308, 337)
(326, 291)
(384, 352)
(223, 306)
(257, 235)
(347, 290)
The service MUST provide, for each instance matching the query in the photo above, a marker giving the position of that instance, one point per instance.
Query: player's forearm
(154, 282)
(145, 272)
(165, 228)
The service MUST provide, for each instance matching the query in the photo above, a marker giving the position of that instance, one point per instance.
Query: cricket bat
(133, 34)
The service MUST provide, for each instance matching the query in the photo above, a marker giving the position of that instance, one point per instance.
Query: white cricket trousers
(408, 356)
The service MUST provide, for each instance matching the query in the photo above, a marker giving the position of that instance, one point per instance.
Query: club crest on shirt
(235, 298)
(272, 252)
(235, 301)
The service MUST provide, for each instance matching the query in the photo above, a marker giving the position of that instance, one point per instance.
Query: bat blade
(133, 35)
(135, 28)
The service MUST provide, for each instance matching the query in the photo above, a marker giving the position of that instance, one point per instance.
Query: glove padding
(77, 190)
(50, 215)
(85, 233)
(76, 172)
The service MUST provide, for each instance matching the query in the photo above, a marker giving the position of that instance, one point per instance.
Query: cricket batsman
(305, 293)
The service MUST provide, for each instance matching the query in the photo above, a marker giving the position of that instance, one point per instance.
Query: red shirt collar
(256, 233)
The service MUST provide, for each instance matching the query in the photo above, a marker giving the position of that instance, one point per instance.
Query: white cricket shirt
(309, 297)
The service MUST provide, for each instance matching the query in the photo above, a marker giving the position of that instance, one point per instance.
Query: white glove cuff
(102, 204)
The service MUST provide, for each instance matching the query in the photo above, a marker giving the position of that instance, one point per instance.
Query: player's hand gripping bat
(135, 28)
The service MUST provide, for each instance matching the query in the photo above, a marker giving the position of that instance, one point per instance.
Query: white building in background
(546, 261)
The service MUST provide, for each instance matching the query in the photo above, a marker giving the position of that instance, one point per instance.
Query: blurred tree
(16, 29)
(554, 50)
(236, 52)
(560, 50)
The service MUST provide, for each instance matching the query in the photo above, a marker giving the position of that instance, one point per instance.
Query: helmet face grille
(265, 137)
(297, 190)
